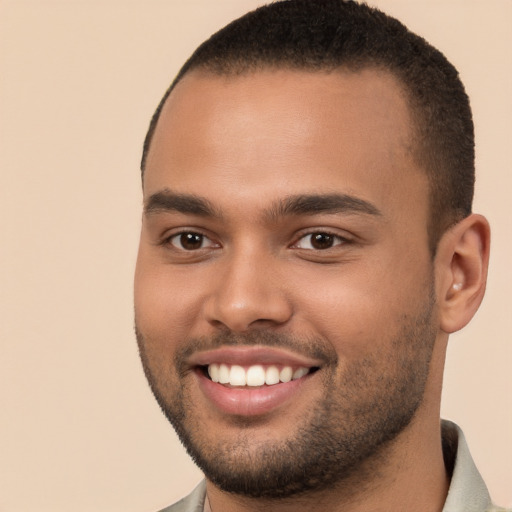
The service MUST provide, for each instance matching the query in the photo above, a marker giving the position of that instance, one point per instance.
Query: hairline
(416, 115)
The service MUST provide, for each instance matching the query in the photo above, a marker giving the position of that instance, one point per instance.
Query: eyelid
(168, 237)
(324, 231)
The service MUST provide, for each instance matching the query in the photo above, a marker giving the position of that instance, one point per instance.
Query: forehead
(273, 132)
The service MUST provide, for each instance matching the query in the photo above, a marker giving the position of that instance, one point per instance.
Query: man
(307, 248)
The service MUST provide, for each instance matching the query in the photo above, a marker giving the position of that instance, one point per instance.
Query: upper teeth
(255, 375)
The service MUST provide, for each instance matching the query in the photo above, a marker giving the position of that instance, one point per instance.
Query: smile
(252, 381)
(255, 375)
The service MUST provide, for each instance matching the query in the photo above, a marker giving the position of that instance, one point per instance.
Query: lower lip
(249, 401)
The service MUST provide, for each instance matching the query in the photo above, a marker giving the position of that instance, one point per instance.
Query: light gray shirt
(467, 492)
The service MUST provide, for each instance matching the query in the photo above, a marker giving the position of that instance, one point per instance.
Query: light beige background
(79, 429)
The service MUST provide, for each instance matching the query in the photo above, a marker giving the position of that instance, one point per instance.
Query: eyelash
(168, 240)
(332, 237)
(324, 233)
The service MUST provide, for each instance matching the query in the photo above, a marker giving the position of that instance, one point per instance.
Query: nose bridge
(247, 290)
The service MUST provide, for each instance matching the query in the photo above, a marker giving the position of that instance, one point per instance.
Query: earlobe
(461, 271)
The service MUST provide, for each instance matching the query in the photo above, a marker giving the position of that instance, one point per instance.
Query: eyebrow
(304, 204)
(313, 204)
(167, 201)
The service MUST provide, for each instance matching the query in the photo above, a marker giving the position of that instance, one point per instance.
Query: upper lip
(248, 356)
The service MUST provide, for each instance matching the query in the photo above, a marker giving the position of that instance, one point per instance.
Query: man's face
(285, 237)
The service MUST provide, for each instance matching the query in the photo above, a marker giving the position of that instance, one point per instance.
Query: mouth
(251, 381)
(257, 375)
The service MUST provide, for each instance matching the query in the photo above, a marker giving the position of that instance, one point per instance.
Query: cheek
(165, 300)
(360, 308)
(345, 315)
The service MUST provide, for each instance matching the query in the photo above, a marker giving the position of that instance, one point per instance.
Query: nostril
(241, 305)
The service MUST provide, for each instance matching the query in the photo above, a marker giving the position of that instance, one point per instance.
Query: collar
(467, 492)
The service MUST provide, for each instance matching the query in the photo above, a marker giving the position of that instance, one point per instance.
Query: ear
(461, 271)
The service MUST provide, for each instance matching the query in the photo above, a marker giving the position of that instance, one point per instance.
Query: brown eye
(190, 241)
(319, 241)
(322, 240)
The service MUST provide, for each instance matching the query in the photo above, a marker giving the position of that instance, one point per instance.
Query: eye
(190, 241)
(319, 240)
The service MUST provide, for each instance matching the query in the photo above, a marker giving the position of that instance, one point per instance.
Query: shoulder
(194, 502)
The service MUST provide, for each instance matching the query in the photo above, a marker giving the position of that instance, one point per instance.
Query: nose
(248, 293)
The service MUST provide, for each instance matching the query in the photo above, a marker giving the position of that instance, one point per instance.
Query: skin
(243, 144)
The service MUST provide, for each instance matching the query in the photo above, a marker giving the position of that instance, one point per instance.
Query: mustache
(315, 348)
